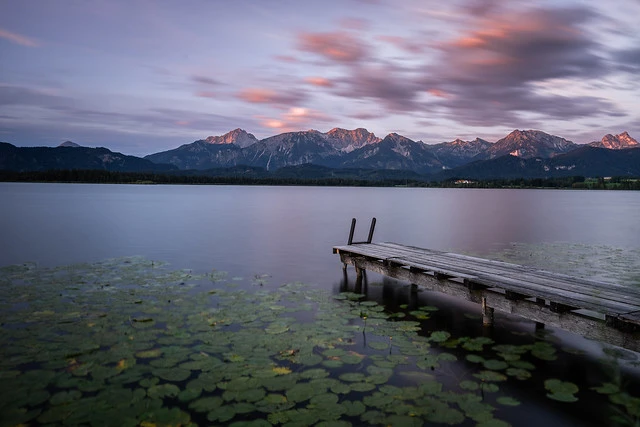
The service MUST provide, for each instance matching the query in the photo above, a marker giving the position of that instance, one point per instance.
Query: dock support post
(371, 229)
(487, 313)
(353, 229)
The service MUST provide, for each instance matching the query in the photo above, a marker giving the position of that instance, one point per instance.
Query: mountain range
(522, 153)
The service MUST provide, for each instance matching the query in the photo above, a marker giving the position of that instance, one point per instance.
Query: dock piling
(487, 313)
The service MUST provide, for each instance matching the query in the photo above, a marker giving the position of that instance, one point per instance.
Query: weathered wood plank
(547, 288)
(514, 269)
(615, 298)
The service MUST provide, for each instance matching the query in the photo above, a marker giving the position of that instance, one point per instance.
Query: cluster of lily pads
(128, 342)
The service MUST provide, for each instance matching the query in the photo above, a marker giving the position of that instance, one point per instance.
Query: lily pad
(561, 391)
(507, 401)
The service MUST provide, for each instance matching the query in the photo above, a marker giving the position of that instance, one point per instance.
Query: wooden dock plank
(514, 270)
(476, 266)
(517, 269)
(609, 299)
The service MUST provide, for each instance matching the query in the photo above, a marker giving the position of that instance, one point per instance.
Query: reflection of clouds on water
(596, 262)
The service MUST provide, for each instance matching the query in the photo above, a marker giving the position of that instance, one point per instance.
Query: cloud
(205, 80)
(390, 86)
(273, 97)
(206, 94)
(338, 46)
(495, 71)
(628, 59)
(294, 119)
(491, 74)
(23, 95)
(319, 81)
(362, 115)
(18, 39)
(404, 43)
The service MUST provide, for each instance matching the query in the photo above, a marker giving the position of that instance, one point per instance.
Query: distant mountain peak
(348, 140)
(238, 136)
(530, 143)
(69, 144)
(616, 142)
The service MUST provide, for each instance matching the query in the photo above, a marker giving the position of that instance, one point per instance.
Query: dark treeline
(111, 177)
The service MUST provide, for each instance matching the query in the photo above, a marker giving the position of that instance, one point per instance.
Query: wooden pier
(596, 310)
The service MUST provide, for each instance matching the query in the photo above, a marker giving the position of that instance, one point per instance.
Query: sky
(143, 76)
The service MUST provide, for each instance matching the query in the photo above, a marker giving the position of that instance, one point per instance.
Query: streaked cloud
(269, 96)
(319, 81)
(18, 38)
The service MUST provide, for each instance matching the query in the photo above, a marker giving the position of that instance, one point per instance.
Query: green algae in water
(128, 342)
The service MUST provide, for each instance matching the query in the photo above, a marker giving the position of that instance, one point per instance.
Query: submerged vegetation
(348, 177)
(129, 342)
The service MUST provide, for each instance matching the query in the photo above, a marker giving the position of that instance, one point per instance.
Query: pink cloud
(18, 39)
(339, 46)
(269, 96)
(319, 81)
(294, 119)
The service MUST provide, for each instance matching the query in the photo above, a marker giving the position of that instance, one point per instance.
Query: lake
(253, 240)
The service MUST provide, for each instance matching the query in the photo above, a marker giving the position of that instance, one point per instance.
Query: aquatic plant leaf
(352, 377)
(522, 364)
(167, 417)
(495, 365)
(507, 401)
(560, 390)
(474, 358)
(439, 336)
(222, 414)
(469, 385)
(148, 354)
(353, 408)
(476, 344)
(543, 351)
(334, 352)
(378, 345)
(607, 388)
(431, 387)
(332, 363)
(490, 376)
(301, 392)
(281, 370)
(352, 358)
(309, 359)
(362, 386)
(314, 373)
(429, 361)
(206, 404)
(172, 374)
(64, 397)
(447, 357)
(324, 399)
(446, 415)
(189, 394)
(163, 390)
(521, 374)
(421, 315)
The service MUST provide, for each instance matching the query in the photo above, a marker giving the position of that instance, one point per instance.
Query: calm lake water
(285, 234)
(288, 232)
